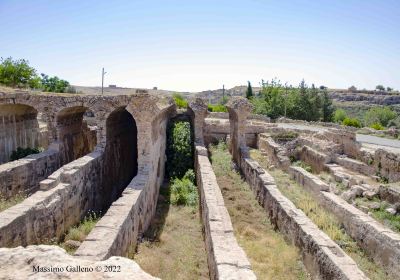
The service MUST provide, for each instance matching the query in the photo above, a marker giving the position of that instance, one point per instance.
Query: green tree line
(302, 102)
(19, 74)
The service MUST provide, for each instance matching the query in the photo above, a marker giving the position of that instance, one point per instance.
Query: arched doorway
(19, 128)
(121, 154)
(74, 133)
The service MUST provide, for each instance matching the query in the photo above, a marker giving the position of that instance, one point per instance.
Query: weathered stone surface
(24, 175)
(226, 259)
(47, 214)
(275, 152)
(239, 109)
(310, 181)
(73, 244)
(389, 193)
(198, 110)
(314, 158)
(20, 263)
(381, 243)
(322, 257)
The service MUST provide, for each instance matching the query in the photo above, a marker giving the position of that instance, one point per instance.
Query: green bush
(184, 191)
(189, 175)
(217, 108)
(339, 116)
(54, 84)
(18, 73)
(351, 122)
(23, 152)
(377, 126)
(180, 101)
(379, 115)
(179, 149)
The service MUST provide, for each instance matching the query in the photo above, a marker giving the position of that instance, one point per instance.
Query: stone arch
(72, 131)
(20, 127)
(120, 153)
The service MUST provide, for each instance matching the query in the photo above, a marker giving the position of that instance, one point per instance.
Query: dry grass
(270, 256)
(322, 218)
(173, 246)
(79, 232)
(9, 202)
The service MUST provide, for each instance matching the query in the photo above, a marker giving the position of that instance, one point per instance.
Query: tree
(249, 91)
(327, 107)
(339, 115)
(379, 115)
(316, 103)
(380, 88)
(389, 89)
(304, 103)
(54, 84)
(18, 73)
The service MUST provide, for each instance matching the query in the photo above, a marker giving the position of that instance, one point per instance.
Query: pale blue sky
(200, 45)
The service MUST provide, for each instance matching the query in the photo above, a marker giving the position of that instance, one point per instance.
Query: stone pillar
(198, 111)
(239, 108)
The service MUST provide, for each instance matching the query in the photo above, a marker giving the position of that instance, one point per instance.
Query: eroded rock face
(52, 262)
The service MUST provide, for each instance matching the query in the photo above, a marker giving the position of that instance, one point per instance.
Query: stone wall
(274, 151)
(218, 129)
(316, 159)
(346, 139)
(19, 127)
(130, 215)
(387, 164)
(74, 133)
(24, 175)
(71, 191)
(48, 214)
(322, 257)
(226, 259)
(380, 243)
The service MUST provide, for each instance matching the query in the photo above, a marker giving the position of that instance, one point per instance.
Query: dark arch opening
(121, 154)
(73, 131)
(19, 127)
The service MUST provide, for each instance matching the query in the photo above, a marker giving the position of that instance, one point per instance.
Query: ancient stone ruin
(107, 153)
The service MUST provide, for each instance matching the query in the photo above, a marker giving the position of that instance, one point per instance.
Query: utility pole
(102, 80)
(223, 93)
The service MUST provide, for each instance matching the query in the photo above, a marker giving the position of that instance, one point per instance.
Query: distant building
(141, 91)
(112, 86)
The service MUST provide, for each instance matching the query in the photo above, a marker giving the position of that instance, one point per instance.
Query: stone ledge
(118, 228)
(322, 257)
(381, 243)
(18, 263)
(226, 259)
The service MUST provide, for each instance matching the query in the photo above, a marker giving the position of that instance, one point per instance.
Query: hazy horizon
(201, 45)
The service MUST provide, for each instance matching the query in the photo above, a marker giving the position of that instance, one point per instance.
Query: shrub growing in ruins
(217, 108)
(180, 101)
(184, 191)
(179, 149)
(23, 152)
